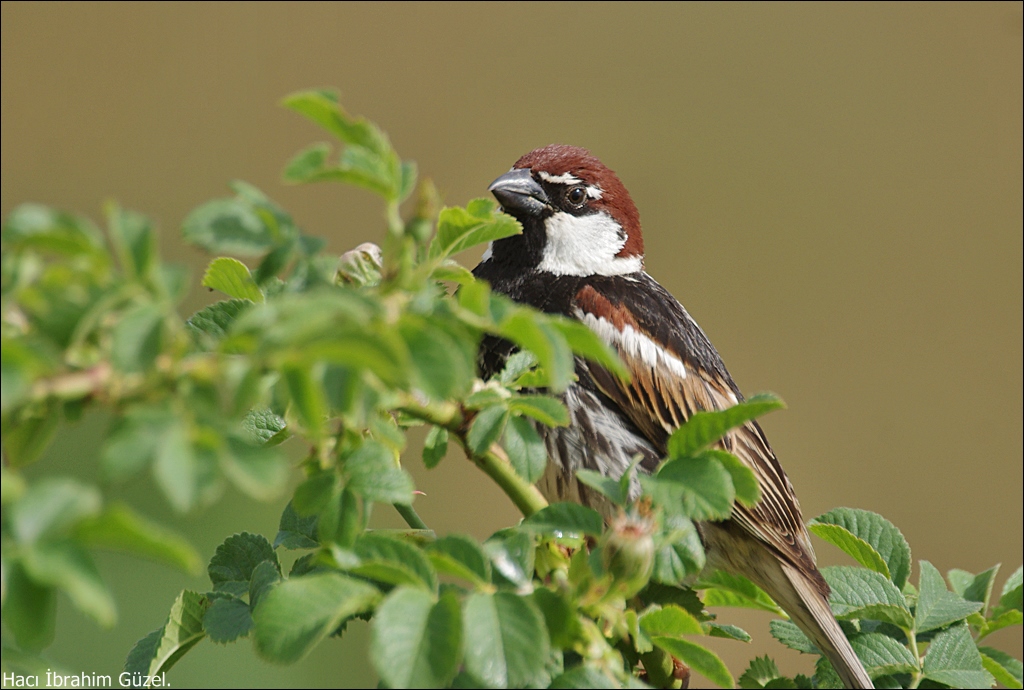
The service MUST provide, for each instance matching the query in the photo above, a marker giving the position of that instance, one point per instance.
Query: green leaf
(937, 607)
(701, 660)
(176, 467)
(535, 332)
(603, 484)
(882, 655)
(670, 621)
(25, 441)
(393, 561)
(512, 553)
(744, 481)
(227, 619)
(560, 617)
(265, 577)
(228, 226)
(1013, 593)
(321, 107)
(588, 344)
(210, 324)
(295, 531)
(371, 472)
(462, 557)
(134, 439)
(726, 589)
(974, 587)
(584, 676)
(134, 242)
(307, 163)
(729, 632)
(120, 528)
(51, 507)
(486, 428)
(508, 640)
(880, 535)
(860, 593)
(262, 425)
(307, 397)
(232, 277)
(515, 366)
(157, 652)
(461, 228)
(41, 227)
(439, 361)
(416, 640)
(953, 659)
(1003, 620)
(29, 608)
(705, 428)
(565, 518)
(695, 487)
(544, 409)
(825, 675)
(793, 637)
(435, 447)
(235, 560)
(137, 338)
(680, 554)
(1002, 666)
(295, 615)
(525, 449)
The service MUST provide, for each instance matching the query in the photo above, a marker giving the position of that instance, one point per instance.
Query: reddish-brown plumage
(593, 302)
(559, 159)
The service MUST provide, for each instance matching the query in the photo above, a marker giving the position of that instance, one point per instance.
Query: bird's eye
(577, 195)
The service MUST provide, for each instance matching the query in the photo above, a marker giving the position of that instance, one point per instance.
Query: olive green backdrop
(833, 191)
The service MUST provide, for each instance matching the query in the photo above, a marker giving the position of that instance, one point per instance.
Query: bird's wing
(676, 372)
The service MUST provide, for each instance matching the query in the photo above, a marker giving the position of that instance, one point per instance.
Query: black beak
(519, 194)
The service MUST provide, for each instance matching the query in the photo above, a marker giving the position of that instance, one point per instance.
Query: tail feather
(811, 612)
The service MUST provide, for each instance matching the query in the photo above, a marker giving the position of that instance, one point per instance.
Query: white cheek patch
(586, 246)
(565, 178)
(635, 344)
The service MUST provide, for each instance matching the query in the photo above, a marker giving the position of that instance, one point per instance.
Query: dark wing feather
(626, 310)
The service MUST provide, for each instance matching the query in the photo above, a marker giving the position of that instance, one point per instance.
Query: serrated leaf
(525, 449)
(861, 593)
(937, 607)
(793, 637)
(265, 577)
(462, 557)
(157, 652)
(461, 228)
(233, 564)
(534, 332)
(565, 518)
(515, 366)
(681, 554)
(761, 670)
(725, 589)
(699, 488)
(1006, 669)
(882, 655)
(393, 561)
(879, 534)
(544, 409)
(705, 428)
(227, 619)
(670, 621)
(486, 428)
(1003, 620)
(509, 639)
(371, 472)
(415, 640)
(974, 587)
(953, 659)
(232, 277)
(729, 632)
(228, 226)
(698, 658)
(435, 447)
(858, 549)
(262, 425)
(295, 615)
(120, 528)
(1013, 593)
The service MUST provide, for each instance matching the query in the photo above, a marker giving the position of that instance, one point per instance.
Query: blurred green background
(833, 191)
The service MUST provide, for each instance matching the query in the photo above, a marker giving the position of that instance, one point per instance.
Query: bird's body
(581, 255)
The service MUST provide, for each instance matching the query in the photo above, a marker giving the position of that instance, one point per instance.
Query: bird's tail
(811, 612)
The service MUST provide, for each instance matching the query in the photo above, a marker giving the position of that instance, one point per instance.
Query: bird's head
(578, 219)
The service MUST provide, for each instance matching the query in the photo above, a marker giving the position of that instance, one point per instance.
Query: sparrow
(581, 254)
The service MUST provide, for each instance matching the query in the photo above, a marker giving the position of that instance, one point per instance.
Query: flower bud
(627, 553)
